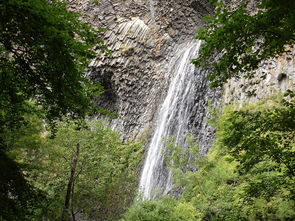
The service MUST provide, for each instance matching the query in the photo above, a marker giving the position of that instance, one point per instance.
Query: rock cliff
(142, 36)
(279, 76)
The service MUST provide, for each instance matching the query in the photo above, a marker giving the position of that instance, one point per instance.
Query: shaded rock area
(279, 75)
(141, 35)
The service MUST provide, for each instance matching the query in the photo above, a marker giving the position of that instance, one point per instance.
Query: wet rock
(141, 36)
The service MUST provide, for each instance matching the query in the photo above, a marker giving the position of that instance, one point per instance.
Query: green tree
(85, 170)
(249, 173)
(237, 41)
(44, 50)
(24, 140)
(260, 132)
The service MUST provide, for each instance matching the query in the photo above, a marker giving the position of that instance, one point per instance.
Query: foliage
(261, 139)
(106, 171)
(44, 50)
(183, 161)
(164, 209)
(238, 40)
(27, 198)
(262, 132)
(248, 175)
(44, 53)
(210, 188)
(104, 184)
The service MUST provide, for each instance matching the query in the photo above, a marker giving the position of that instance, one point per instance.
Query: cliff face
(280, 76)
(142, 36)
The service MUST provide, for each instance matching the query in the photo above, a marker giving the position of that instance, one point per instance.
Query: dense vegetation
(85, 170)
(248, 174)
(44, 52)
(162, 209)
(56, 164)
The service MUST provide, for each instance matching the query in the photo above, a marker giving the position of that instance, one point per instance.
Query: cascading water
(173, 120)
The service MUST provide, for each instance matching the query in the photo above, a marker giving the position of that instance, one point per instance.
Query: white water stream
(172, 121)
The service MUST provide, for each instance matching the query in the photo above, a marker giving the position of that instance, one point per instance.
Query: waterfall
(173, 120)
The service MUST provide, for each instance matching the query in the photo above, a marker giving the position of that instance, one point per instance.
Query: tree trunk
(66, 209)
(72, 206)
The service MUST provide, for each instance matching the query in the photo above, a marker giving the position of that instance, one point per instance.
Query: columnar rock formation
(141, 35)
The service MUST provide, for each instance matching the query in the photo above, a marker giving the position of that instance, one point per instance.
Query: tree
(85, 170)
(256, 134)
(19, 199)
(44, 50)
(237, 41)
(249, 172)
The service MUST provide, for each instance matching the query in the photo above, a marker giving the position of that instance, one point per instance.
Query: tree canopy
(237, 41)
(84, 171)
(44, 50)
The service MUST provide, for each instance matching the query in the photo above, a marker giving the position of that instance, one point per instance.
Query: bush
(164, 209)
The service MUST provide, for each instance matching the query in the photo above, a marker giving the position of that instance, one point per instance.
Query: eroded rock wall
(141, 35)
(280, 76)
